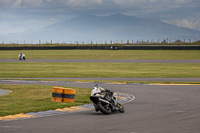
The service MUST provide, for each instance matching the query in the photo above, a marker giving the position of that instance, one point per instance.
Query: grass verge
(62, 69)
(34, 98)
(102, 54)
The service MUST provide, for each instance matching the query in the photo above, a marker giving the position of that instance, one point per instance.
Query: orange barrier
(57, 93)
(69, 95)
(60, 94)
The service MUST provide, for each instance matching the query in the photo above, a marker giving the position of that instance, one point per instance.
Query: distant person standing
(22, 56)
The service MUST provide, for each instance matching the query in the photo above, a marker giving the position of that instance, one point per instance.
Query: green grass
(61, 69)
(33, 98)
(102, 54)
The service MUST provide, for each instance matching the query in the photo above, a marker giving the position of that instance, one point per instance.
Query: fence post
(127, 41)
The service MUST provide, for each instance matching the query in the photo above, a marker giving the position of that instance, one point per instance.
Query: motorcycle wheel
(121, 108)
(104, 108)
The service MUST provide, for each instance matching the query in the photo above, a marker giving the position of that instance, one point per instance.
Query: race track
(156, 109)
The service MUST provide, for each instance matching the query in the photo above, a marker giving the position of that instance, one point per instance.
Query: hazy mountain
(115, 27)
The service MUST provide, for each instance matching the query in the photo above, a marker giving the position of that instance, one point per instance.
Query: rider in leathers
(96, 89)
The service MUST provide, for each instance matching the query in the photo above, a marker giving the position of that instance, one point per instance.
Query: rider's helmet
(96, 89)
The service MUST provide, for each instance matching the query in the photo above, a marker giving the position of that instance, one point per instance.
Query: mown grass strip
(102, 54)
(34, 98)
(59, 69)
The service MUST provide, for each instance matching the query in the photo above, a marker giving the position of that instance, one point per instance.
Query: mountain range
(101, 28)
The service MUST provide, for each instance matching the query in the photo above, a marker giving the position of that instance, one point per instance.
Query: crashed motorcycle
(105, 102)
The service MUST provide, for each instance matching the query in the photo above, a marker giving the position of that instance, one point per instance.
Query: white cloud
(155, 3)
(23, 3)
(187, 23)
(44, 3)
(7, 27)
(131, 2)
(182, 1)
(34, 3)
(128, 2)
(16, 3)
(193, 24)
(86, 3)
(82, 3)
(184, 13)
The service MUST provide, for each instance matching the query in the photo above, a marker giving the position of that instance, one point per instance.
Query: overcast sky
(23, 15)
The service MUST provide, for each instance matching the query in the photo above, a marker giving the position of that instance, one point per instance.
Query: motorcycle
(105, 102)
(22, 56)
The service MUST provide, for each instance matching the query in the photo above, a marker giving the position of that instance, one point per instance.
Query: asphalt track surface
(156, 109)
